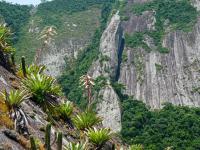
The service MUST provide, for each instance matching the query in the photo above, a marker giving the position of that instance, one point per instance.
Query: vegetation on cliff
(69, 79)
(170, 15)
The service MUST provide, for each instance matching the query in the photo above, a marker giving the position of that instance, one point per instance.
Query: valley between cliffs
(152, 77)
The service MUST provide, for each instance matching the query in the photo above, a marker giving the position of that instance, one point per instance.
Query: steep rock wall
(108, 106)
(54, 55)
(157, 78)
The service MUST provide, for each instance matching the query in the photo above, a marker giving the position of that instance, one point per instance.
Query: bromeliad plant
(5, 37)
(42, 86)
(65, 110)
(76, 146)
(86, 120)
(99, 137)
(136, 147)
(13, 101)
(32, 69)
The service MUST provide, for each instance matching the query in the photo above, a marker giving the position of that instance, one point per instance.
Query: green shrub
(86, 120)
(13, 101)
(99, 136)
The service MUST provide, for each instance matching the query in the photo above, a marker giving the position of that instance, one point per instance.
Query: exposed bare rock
(157, 78)
(196, 3)
(55, 54)
(106, 65)
(108, 106)
(140, 23)
(7, 79)
(9, 143)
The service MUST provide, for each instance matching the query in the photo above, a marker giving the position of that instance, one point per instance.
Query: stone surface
(108, 106)
(157, 78)
(55, 54)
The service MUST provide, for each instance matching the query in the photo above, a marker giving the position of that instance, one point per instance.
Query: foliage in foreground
(136, 147)
(32, 69)
(99, 136)
(86, 120)
(76, 146)
(14, 98)
(173, 126)
(13, 101)
(65, 110)
(5, 39)
(40, 85)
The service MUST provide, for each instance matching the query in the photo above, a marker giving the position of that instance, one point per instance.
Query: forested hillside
(15, 16)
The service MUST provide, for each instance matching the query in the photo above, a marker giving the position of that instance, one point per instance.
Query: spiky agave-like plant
(99, 137)
(65, 110)
(41, 86)
(76, 146)
(86, 120)
(136, 147)
(5, 36)
(32, 69)
(13, 100)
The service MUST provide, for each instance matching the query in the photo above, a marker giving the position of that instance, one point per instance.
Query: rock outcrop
(157, 78)
(54, 55)
(108, 105)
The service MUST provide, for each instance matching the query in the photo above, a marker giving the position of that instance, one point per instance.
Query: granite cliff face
(54, 55)
(108, 104)
(157, 78)
(152, 77)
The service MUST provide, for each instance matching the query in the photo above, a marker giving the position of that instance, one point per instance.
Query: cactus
(13, 59)
(23, 66)
(33, 145)
(48, 137)
(59, 141)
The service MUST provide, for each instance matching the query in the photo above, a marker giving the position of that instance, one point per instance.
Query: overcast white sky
(23, 2)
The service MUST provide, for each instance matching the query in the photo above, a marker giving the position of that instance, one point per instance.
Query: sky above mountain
(25, 2)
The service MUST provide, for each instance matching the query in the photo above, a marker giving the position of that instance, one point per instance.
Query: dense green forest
(15, 16)
(173, 126)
